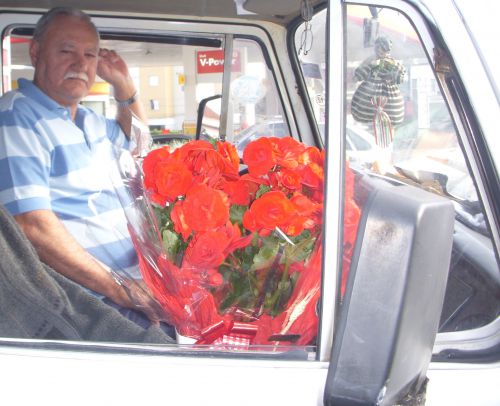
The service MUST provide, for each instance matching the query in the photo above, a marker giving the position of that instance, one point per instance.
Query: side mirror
(394, 296)
(202, 107)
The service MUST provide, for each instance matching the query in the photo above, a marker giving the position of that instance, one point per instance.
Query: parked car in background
(414, 316)
(360, 145)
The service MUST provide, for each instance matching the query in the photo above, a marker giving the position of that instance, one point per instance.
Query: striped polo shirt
(47, 161)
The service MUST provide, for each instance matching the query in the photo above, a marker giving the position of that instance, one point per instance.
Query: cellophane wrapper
(234, 259)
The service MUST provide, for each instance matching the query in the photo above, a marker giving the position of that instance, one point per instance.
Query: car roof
(277, 11)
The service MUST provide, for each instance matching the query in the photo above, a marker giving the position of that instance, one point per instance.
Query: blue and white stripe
(47, 161)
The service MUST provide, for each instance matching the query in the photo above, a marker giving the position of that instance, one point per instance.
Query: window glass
(255, 104)
(172, 79)
(485, 30)
(392, 95)
(310, 46)
(261, 278)
(415, 142)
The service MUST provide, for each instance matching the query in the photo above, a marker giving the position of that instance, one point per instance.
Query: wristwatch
(128, 102)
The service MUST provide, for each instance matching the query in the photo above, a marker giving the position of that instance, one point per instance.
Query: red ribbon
(229, 328)
(382, 125)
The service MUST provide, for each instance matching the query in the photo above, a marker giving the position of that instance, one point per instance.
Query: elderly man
(58, 158)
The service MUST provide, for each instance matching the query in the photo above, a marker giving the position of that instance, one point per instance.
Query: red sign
(7, 84)
(213, 61)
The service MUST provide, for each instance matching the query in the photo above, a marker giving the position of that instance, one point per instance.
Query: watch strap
(128, 102)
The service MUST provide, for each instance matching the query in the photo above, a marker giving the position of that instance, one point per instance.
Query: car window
(254, 106)
(163, 71)
(357, 140)
(310, 47)
(254, 99)
(398, 127)
(172, 78)
(173, 73)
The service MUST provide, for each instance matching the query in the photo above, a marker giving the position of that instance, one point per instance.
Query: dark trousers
(139, 318)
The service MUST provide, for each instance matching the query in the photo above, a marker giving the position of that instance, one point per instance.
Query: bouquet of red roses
(234, 258)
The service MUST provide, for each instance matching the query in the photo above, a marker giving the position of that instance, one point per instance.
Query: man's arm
(113, 69)
(57, 248)
(124, 113)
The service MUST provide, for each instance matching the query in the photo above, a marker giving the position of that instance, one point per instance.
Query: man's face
(65, 60)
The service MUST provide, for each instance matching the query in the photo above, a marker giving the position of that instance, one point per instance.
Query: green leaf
(171, 243)
(265, 257)
(163, 217)
(213, 141)
(284, 295)
(300, 251)
(236, 213)
(245, 255)
(228, 301)
(242, 292)
(262, 189)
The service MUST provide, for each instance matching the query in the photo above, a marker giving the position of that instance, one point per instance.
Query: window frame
(158, 28)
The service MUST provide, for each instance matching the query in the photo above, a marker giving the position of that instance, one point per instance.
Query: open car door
(398, 292)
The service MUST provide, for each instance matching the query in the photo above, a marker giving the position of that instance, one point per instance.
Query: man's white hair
(46, 20)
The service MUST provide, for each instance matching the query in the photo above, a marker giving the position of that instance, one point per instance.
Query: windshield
(424, 150)
(398, 129)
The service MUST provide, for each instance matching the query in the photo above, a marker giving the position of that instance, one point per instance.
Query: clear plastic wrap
(234, 259)
(103, 231)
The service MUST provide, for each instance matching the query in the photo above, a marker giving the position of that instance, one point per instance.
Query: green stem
(267, 282)
(284, 276)
(280, 290)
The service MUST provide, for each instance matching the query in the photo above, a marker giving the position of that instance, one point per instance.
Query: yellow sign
(189, 128)
(99, 88)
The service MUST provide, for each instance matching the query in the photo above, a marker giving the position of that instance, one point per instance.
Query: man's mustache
(77, 75)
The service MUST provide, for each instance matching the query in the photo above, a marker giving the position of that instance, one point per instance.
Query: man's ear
(34, 50)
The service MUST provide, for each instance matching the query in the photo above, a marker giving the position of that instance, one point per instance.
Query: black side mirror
(201, 113)
(394, 296)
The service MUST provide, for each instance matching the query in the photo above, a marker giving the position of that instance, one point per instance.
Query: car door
(176, 63)
(436, 97)
(88, 372)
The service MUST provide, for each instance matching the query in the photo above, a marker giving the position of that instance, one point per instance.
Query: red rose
(271, 210)
(312, 154)
(205, 208)
(289, 179)
(149, 164)
(229, 152)
(207, 164)
(178, 217)
(172, 179)
(289, 151)
(294, 225)
(250, 222)
(206, 250)
(192, 148)
(234, 239)
(242, 191)
(313, 176)
(259, 156)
